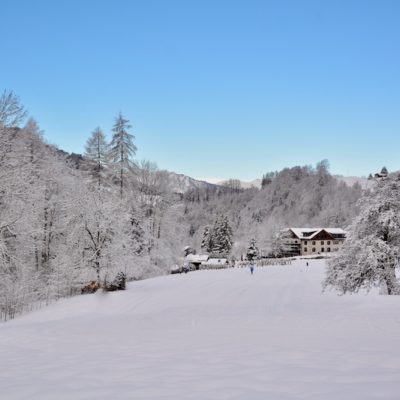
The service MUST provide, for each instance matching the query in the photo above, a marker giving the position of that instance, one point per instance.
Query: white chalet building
(311, 241)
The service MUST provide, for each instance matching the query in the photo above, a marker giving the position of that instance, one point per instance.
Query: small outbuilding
(196, 259)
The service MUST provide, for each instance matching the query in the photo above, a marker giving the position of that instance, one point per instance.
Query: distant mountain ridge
(180, 183)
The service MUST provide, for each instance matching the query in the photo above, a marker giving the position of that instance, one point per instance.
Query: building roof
(309, 233)
(197, 258)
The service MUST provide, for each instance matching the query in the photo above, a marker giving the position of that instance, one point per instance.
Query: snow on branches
(371, 253)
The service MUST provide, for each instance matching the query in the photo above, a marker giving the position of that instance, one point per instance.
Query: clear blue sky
(214, 88)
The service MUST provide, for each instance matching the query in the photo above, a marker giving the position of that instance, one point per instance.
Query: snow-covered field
(208, 335)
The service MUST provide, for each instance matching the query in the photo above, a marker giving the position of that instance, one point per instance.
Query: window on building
(305, 248)
(328, 249)
(322, 242)
(313, 250)
(313, 243)
(322, 249)
(328, 242)
(336, 242)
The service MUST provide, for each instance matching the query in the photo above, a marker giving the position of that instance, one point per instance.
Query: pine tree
(122, 148)
(371, 253)
(207, 242)
(252, 250)
(384, 171)
(97, 150)
(221, 236)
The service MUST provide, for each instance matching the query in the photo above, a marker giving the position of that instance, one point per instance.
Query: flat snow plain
(208, 335)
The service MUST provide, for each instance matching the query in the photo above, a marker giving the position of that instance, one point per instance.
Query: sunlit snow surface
(208, 335)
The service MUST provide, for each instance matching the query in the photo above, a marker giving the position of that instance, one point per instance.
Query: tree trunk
(97, 263)
(391, 282)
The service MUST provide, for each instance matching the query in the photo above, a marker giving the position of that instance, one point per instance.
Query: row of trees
(55, 230)
(61, 227)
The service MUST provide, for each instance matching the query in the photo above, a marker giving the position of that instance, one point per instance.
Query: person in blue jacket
(251, 268)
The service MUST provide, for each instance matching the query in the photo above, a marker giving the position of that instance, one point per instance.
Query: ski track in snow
(208, 335)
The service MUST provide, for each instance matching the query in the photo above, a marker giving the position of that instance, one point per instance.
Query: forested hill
(299, 196)
(64, 221)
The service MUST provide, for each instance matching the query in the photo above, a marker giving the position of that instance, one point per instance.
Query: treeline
(65, 222)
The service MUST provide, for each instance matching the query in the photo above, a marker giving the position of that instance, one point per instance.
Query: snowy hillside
(208, 335)
(180, 183)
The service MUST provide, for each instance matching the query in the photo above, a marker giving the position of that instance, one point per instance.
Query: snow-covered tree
(151, 184)
(122, 148)
(207, 240)
(218, 239)
(97, 150)
(252, 250)
(109, 237)
(371, 253)
(279, 246)
(221, 236)
(12, 113)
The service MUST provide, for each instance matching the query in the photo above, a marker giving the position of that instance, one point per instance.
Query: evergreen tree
(218, 239)
(207, 242)
(384, 171)
(122, 148)
(371, 253)
(97, 150)
(221, 236)
(252, 250)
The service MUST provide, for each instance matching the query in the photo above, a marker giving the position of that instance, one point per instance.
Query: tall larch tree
(122, 148)
(97, 149)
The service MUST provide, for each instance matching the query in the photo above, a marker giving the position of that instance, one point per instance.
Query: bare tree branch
(12, 113)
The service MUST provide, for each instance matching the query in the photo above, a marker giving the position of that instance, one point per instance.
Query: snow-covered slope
(208, 335)
(180, 183)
